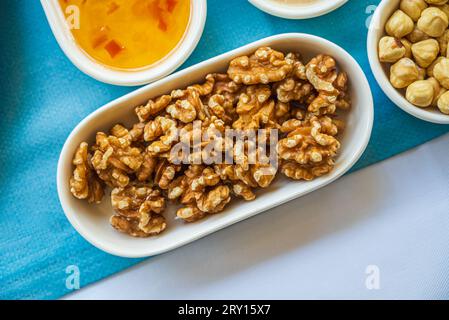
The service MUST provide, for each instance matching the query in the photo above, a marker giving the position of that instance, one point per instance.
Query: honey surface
(127, 34)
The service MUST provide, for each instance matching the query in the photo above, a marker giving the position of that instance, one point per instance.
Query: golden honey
(128, 34)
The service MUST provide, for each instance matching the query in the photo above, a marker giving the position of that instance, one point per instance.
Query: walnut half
(83, 183)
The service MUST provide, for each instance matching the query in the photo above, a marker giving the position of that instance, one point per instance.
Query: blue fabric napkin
(44, 96)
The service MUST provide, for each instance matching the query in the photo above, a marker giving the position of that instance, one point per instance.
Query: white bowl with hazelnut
(408, 53)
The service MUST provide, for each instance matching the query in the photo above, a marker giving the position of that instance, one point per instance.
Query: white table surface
(391, 219)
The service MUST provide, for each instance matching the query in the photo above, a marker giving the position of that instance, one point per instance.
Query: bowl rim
(375, 32)
(119, 77)
(302, 12)
(67, 154)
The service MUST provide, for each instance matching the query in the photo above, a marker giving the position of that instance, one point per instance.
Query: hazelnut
(417, 35)
(443, 103)
(441, 72)
(391, 49)
(403, 73)
(430, 68)
(436, 2)
(420, 93)
(422, 73)
(435, 84)
(399, 25)
(437, 90)
(443, 41)
(438, 96)
(425, 52)
(445, 9)
(408, 48)
(433, 21)
(413, 8)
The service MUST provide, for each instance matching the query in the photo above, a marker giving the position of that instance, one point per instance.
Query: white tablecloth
(382, 232)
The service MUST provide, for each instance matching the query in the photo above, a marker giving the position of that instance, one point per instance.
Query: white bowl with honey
(125, 42)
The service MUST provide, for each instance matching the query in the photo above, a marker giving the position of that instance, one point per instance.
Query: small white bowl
(92, 221)
(299, 11)
(136, 77)
(381, 70)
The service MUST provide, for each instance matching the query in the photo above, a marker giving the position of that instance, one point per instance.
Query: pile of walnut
(417, 46)
(266, 90)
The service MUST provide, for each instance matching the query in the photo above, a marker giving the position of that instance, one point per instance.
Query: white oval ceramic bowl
(381, 70)
(135, 77)
(92, 221)
(305, 11)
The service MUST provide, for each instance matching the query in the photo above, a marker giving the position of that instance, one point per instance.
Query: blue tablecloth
(44, 96)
